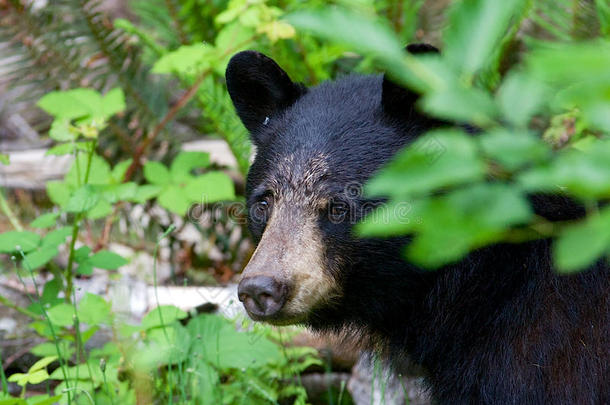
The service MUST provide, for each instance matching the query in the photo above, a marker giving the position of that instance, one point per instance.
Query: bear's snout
(262, 296)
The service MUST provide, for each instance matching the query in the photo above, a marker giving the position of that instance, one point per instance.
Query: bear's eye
(262, 208)
(337, 211)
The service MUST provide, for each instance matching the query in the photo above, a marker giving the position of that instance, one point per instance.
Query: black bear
(499, 327)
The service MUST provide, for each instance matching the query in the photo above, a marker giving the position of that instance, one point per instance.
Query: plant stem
(9, 213)
(62, 361)
(75, 228)
(8, 303)
(169, 366)
(3, 376)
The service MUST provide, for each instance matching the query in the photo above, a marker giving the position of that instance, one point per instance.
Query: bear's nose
(262, 296)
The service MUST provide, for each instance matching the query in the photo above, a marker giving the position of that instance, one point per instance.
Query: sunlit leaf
(107, 260)
(45, 220)
(210, 187)
(185, 162)
(93, 310)
(475, 30)
(438, 159)
(156, 173)
(162, 315)
(83, 199)
(581, 244)
(514, 149)
(18, 240)
(61, 314)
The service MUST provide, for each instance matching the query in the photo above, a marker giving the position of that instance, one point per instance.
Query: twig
(186, 97)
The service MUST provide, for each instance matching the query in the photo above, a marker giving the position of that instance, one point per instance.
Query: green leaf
(76, 103)
(114, 193)
(469, 105)
(19, 378)
(475, 30)
(584, 174)
(175, 200)
(62, 131)
(35, 377)
(85, 268)
(187, 60)
(94, 310)
(581, 244)
(119, 170)
(61, 314)
(372, 38)
(81, 254)
(156, 173)
(38, 376)
(13, 241)
(81, 373)
(4, 159)
(98, 174)
(51, 290)
(42, 363)
(514, 149)
(520, 97)
(591, 97)
(146, 192)
(45, 220)
(100, 210)
(83, 199)
(107, 260)
(162, 315)
(173, 343)
(438, 159)
(210, 187)
(392, 218)
(228, 38)
(43, 400)
(66, 148)
(58, 192)
(56, 237)
(448, 227)
(337, 25)
(185, 162)
(40, 257)
(554, 63)
(225, 348)
(113, 102)
(49, 349)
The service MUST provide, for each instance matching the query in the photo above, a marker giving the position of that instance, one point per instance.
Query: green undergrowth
(170, 356)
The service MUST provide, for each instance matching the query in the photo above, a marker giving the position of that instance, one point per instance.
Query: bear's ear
(259, 88)
(397, 101)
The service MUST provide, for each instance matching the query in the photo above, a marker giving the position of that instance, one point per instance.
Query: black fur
(499, 327)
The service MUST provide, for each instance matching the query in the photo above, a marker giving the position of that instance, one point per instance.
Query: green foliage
(36, 374)
(216, 354)
(475, 30)
(177, 189)
(456, 192)
(541, 127)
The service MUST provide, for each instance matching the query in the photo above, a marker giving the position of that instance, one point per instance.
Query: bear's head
(315, 149)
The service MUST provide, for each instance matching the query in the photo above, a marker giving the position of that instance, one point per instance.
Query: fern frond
(71, 43)
(220, 116)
